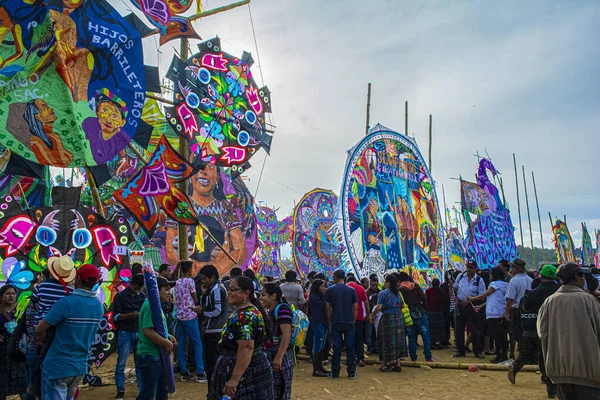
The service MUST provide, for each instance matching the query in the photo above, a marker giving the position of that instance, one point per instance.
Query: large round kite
(219, 108)
(72, 83)
(316, 245)
(389, 208)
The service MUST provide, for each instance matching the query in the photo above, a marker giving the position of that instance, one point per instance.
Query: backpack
(299, 327)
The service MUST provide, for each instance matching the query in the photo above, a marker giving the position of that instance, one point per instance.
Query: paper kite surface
(72, 83)
(389, 208)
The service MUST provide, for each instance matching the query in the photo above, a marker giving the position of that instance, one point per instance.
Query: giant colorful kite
(316, 238)
(153, 189)
(563, 243)
(225, 207)
(457, 257)
(219, 109)
(490, 237)
(597, 255)
(266, 260)
(72, 81)
(389, 208)
(587, 250)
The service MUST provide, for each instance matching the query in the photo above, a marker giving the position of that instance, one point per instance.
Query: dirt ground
(411, 383)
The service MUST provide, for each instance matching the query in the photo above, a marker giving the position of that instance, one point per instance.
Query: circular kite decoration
(389, 207)
(219, 108)
(316, 242)
(72, 82)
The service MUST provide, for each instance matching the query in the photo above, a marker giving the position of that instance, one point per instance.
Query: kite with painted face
(219, 108)
(72, 79)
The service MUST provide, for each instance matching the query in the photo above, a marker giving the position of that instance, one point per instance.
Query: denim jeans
(189, 329)
(319, 338)
(423, 325)
(126, 343)
(60, 389)
(32, 359)
(341, 333)
(152, 385)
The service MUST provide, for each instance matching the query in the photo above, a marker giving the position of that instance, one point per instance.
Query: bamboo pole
(528, 218)
(23, 195)
(94, 191)
(183, 186)
(139, 155)
(207, 14)
(537, 205)
(368, 109)
(502, 191)
(406, 117)
(518, 203)
(445, 209)
(430, 141)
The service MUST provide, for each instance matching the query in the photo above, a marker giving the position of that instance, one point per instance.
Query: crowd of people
(237, 333)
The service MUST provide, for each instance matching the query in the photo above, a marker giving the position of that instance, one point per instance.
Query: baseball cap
(518, 263)
(568, 271)
(548, 271)
(161, 281)
(88, 273)
(472, 264)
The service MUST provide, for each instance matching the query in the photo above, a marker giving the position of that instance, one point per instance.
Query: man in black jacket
(126, 309)
(214, 315)
(531, 350)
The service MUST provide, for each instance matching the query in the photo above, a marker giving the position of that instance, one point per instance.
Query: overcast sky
(498, 76)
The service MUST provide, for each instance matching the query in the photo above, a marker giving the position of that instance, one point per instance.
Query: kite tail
(154, 301)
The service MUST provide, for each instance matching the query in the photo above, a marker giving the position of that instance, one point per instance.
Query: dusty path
(411, 383)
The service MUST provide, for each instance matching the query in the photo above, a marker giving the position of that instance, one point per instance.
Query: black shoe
(185, 376)
(120, 396)
(318, 374)
(352, 375)
(511, 374)
(334, 376)
(480, 356)
(459, 355)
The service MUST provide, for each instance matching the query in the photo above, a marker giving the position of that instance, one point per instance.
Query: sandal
(385, 368)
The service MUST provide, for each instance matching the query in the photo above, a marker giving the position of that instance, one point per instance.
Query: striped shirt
(45, 295)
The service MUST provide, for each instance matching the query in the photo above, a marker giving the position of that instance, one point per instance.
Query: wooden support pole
(518, 203)
(23, 195)
(430, 141)
(406, 117)
(94, 191)
(183, 186)
(368, 109)
(207, 14)
(537, 205)
(502, 190)
(528, 218)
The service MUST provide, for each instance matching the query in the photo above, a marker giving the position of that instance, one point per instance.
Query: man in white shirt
(515, 291)
(292, 292)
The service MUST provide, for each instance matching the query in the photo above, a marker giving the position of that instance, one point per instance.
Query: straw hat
(62, 268)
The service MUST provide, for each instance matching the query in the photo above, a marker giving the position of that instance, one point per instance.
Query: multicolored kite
(153, 189)
(72, 81)
(587, 250)
(563, 243)
(219, 109)
(265, 260)
(389, 208)
(316, 238)
(490, 237)
(457, 256)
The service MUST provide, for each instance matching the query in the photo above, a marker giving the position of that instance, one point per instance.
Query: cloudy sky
(498, 76)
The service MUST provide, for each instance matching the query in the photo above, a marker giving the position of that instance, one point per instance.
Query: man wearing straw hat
(60, 272)
(76, 318)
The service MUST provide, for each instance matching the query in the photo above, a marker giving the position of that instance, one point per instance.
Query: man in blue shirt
(515, 291)
(468, 284)
(342, 309)
(76, 318)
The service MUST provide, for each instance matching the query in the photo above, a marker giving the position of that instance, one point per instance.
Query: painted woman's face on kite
(205, 180)
(110, 118)
(45, 113)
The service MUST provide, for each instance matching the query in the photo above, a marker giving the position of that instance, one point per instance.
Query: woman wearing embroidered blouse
(494, 309)
(278, 347)
(243, 370)
(390, 335)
